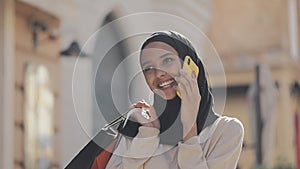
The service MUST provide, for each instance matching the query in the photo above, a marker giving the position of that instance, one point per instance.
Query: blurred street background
(49, 109)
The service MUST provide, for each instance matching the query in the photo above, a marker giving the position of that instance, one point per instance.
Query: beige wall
(1, 75)
(6, 82)
(248, 26)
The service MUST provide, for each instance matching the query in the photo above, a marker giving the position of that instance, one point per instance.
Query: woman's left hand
(152, 120)
(190, 99)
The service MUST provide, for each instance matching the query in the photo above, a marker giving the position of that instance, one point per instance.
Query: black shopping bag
(97, 152)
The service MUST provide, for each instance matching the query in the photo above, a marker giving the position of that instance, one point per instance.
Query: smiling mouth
(166, 84)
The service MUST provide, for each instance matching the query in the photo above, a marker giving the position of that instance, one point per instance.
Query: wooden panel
(57, 152)
(46, 53)
(48, 47)
(19, 105)
(18, 144)
(23, 35)
(27, 10)
(18, 166)
(57, 114)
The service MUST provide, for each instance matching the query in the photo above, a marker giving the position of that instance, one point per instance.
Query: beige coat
(218, 146)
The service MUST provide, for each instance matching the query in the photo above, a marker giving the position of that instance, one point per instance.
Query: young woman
(179, 132)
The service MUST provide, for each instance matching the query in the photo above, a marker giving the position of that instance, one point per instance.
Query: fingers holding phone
(191, 69)
(189, 93)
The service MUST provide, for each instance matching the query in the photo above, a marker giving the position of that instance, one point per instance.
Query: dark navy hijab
(169, 110)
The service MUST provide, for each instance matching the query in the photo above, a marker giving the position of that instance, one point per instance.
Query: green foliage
(281, 163)
(258, 167)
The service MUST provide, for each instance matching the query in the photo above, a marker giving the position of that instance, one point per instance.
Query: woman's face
(160, 63)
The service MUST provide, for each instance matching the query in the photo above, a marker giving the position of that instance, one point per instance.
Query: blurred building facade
(255, 32)
(30, 64)
(244, 34)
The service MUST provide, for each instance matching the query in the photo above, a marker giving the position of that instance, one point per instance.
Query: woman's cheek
(150, 82)
(177, 68)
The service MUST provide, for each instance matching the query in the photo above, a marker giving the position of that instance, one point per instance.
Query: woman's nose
(160, 73)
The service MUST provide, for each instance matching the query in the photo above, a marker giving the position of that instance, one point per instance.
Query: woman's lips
(166, 84)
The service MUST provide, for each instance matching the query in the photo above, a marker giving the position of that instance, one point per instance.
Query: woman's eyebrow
(166, 54)
(162, 56)
(145, 63)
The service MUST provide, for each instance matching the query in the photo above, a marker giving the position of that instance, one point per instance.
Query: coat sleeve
(133, 154)
(224, 153)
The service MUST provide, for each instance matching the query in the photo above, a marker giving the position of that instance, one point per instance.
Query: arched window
(38, 117)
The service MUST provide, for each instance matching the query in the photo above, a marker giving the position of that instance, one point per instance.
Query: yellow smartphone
(189, 66)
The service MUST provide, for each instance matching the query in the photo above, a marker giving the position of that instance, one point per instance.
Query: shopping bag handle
(85, 158)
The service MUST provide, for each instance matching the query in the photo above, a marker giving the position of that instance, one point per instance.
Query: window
(38, 117)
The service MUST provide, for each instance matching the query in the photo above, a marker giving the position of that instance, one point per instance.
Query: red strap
(102, 159)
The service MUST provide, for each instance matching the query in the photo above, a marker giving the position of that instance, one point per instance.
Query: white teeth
(163, 84)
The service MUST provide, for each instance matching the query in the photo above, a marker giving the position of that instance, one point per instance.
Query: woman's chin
(170, 97)
(167, 95)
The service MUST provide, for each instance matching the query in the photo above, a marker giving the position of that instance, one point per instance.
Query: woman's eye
(147, 69)
(167, 60)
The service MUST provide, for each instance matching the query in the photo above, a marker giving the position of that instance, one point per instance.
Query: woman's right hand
(152, 121)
